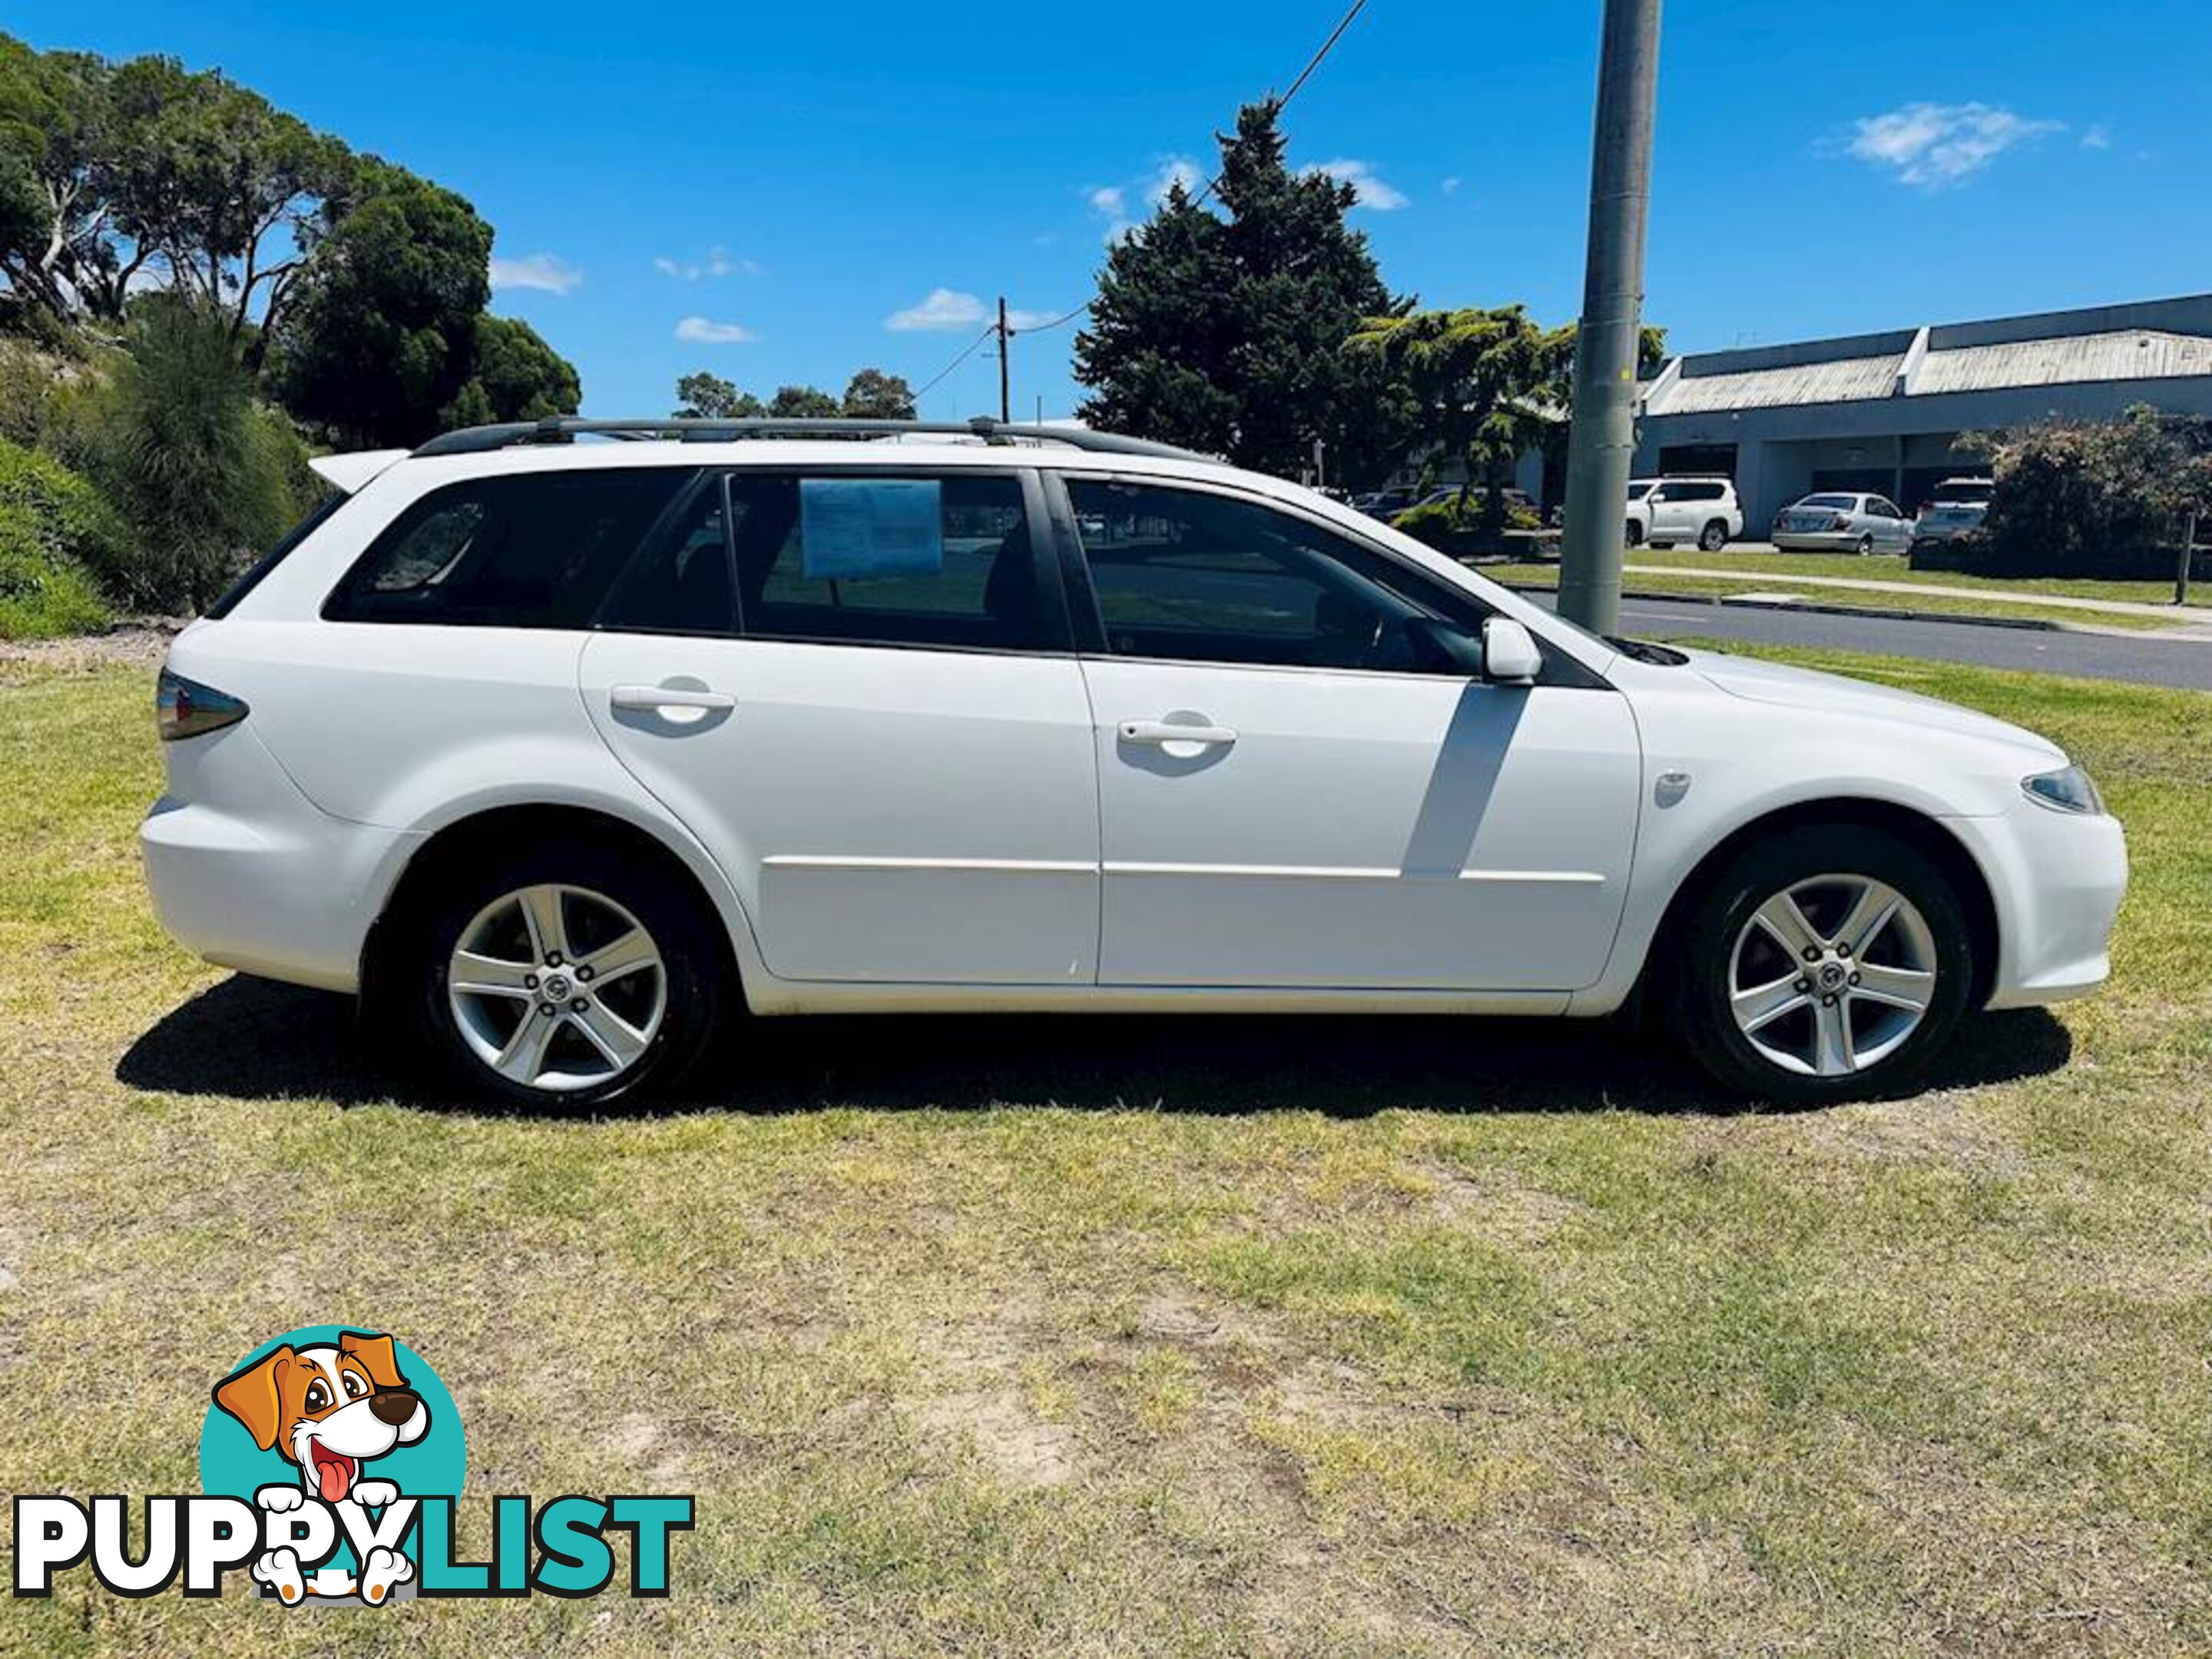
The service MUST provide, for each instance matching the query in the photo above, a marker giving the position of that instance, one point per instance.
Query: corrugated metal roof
(2128, 355)
(1841, 380)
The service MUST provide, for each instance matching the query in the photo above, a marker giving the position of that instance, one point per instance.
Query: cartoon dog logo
(331, 1407)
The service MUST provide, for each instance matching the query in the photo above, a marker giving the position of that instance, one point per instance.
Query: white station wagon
(568, 754)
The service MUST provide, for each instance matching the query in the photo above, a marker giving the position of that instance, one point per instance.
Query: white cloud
(945, 308)
(1368, 191)
(702, 330)
(949, 308)
(1451, 185)
(1110, 203)
(2098, 138)
(547, 273)
(719, 262)
(1174, 170)
(1934, 146)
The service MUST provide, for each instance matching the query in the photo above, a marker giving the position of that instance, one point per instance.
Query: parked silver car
(1835, 521)
(1948, 521)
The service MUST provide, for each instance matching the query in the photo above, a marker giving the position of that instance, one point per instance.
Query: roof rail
(567, 428)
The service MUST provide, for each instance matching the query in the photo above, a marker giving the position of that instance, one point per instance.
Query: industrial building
(1885, 412)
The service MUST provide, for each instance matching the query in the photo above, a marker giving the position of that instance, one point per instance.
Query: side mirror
(1510, 656)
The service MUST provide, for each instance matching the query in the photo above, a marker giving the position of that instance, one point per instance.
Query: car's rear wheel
(567, 976)
(1713, 537)
(1825, 964)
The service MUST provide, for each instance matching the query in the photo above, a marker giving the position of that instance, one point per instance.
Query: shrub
(55, 531)
(2091, 498)
(202, 473)
(1455, 525)
(27, 389)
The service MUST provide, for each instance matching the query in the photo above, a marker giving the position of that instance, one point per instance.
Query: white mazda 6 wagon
(567, 753)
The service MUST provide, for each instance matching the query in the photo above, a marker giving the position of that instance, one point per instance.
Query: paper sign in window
(850, 527)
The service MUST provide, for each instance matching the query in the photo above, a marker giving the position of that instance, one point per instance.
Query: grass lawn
(1895, 568)
(1191, 1336)
(1547, 576)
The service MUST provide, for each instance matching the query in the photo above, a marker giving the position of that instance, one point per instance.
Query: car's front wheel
(567, 976)
(1824, 964)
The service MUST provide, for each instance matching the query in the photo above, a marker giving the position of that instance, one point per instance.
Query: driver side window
(1189, 576)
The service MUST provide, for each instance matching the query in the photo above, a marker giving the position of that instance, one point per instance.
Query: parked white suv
(569, 753)
(1664, 511)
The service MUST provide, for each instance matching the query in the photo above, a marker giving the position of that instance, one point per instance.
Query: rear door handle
(668, 696)
(1162, 732)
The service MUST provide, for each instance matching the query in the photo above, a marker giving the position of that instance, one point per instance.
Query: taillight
(186, 709)
(1839, 522)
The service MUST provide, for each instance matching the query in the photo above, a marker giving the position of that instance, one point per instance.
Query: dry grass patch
(1185, 1336)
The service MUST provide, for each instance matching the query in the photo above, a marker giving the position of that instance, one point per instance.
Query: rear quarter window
(532, 549)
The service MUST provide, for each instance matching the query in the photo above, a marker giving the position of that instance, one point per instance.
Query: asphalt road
(2186, 663)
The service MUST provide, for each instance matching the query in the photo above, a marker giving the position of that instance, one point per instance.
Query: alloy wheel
(557, 987)
(1831, 975)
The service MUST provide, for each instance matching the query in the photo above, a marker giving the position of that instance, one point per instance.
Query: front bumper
(2061, 878)
(247, 872)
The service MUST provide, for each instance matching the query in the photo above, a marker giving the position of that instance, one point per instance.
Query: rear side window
(275, 555)
(857, 559)
(535, 550)
(682, 583)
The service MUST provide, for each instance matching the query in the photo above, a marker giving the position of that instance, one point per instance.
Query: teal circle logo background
(231, 1464)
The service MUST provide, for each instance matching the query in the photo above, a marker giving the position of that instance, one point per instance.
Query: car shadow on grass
(256, 1040)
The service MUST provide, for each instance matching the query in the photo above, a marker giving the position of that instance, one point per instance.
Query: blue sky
(788, 193)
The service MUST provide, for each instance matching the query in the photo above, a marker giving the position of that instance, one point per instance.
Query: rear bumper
(1817, 541)
(248, 873)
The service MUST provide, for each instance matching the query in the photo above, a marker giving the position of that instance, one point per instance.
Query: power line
(1327, 47)
(1304, 76)
(929, 385)
(1064, 317)
(1007, 334)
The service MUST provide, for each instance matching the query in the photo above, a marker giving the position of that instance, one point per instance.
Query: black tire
(1635, 533)
(1701, 949)
(1712, 538)
(1866, 546)
(692, 968)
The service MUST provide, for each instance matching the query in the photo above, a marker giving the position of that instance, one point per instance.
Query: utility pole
(1005, 339)
(2188, 557)
(1603, 440)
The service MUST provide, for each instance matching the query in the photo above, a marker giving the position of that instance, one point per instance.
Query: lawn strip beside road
(1545, 578)
(1895, 567)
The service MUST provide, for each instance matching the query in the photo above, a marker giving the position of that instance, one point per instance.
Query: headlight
(2067, 790)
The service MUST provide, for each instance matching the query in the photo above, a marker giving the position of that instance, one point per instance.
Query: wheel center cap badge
(1831, 975)
(557, 987)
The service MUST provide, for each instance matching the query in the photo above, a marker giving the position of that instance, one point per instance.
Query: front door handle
(650, 698)
(1164, 732)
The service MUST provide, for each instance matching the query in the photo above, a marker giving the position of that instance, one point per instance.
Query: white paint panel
(886, 814)
(1363, 830)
